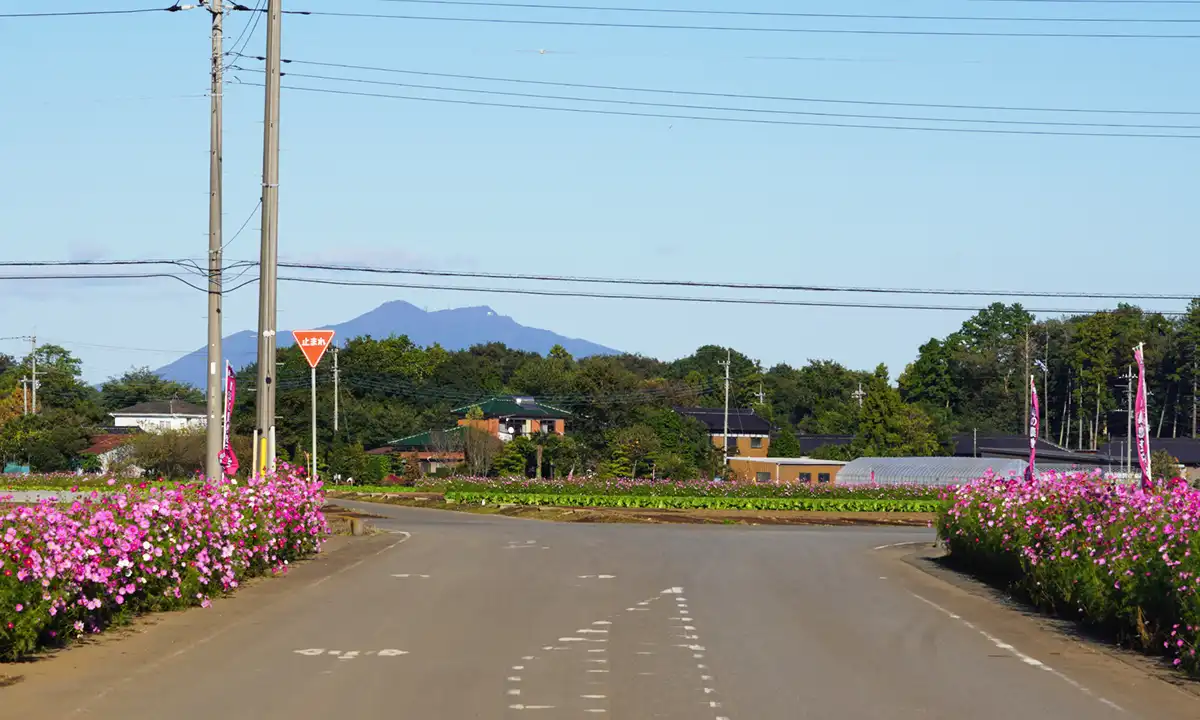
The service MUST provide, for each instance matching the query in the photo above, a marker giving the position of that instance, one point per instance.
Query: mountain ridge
(452, 328)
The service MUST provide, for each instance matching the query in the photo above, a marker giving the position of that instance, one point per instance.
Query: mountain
(455, 329)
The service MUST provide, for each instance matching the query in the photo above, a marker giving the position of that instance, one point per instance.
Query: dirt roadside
(643, 515)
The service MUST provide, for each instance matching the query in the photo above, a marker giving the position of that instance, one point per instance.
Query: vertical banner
(1034, 415)
(229, 461)
(1142, 420)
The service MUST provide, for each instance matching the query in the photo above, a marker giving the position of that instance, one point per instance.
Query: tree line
(622, 420)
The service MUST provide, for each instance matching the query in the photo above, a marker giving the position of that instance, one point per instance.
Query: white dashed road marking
(1030, 661)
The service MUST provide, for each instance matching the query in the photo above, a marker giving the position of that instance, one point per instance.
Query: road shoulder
(1140, 685)
(123, 654)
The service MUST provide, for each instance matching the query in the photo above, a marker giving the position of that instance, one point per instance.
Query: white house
(161, 415)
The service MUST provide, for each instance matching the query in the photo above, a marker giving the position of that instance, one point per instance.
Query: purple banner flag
(1033, 429)
(229, 461)
(1142, 420)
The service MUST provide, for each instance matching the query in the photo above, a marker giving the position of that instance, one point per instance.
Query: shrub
(1113, 556)
(69, 571)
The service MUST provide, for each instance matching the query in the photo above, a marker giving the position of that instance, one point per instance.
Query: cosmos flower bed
(1113, 556)
(68, 570)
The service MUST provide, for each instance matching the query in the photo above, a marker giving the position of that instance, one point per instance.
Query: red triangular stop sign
(313, 343)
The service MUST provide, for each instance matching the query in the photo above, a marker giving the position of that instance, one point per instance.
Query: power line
(725, 28)
(689, 299)
(106, 276)
(736, 286)
(740, 96)
(81, 13)
(248, 30)
(593, 280)
(763, 111)
(244, 224)
(780, 14)
(742, 120)
(186, 263)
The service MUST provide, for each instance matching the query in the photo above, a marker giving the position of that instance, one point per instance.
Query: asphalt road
(455, 616)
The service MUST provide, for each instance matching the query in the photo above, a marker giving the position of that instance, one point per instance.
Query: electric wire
(721, 108)
(740, 120)
(729, 95)
(779, 14)
(743, 29)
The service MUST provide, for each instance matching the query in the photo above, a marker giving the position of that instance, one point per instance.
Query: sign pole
(312, 470)
(313, 344)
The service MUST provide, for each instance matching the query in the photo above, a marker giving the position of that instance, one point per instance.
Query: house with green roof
(510, 416)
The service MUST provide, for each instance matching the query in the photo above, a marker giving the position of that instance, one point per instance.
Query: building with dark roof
(507, 417)
(161, 415)
(749, 435)
(1185, 450)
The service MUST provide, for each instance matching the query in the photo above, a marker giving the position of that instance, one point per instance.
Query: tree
(617, 465)
(480, 449)
(929, 380)
(1164, 465)
(637, 443)
(171, 453)
(49, 441)
(515, 459)
(890, 428)
(786, 445)
(671, 466)
(143, 385)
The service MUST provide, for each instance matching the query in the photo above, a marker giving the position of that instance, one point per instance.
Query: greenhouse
(925, 470)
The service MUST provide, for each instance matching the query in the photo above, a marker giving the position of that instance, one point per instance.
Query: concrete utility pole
(859, 395)
(25, 393)
(1025, 417)
(336, 389)
(214, 390)
(33, 370)
(725, 435)
(269, 251)
(1128, 376)
(1046, 391)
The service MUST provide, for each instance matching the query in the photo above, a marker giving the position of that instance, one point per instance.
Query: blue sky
(106, 140)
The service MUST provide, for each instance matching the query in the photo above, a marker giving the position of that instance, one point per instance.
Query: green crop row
(698, 503)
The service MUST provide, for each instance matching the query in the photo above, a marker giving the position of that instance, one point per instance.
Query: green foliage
(1163, 465)
(844, 453)
(785, 445)
(49, 441)
(378, 468)
(142, 385)
(890, 428)
(618, 464)
(515, 459)
(635, 444)
(661, 502)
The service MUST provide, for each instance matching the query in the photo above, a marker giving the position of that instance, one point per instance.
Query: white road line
(901, 544)
(1028, 660)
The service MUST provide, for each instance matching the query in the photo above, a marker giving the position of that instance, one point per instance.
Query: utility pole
(1128, 376)
(336, 390)
(33, 370)
(269, 251)
(25, 393)
(1025, 416)
(859, 395)
(725, 435)
(1046, 391)
(216, 412)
